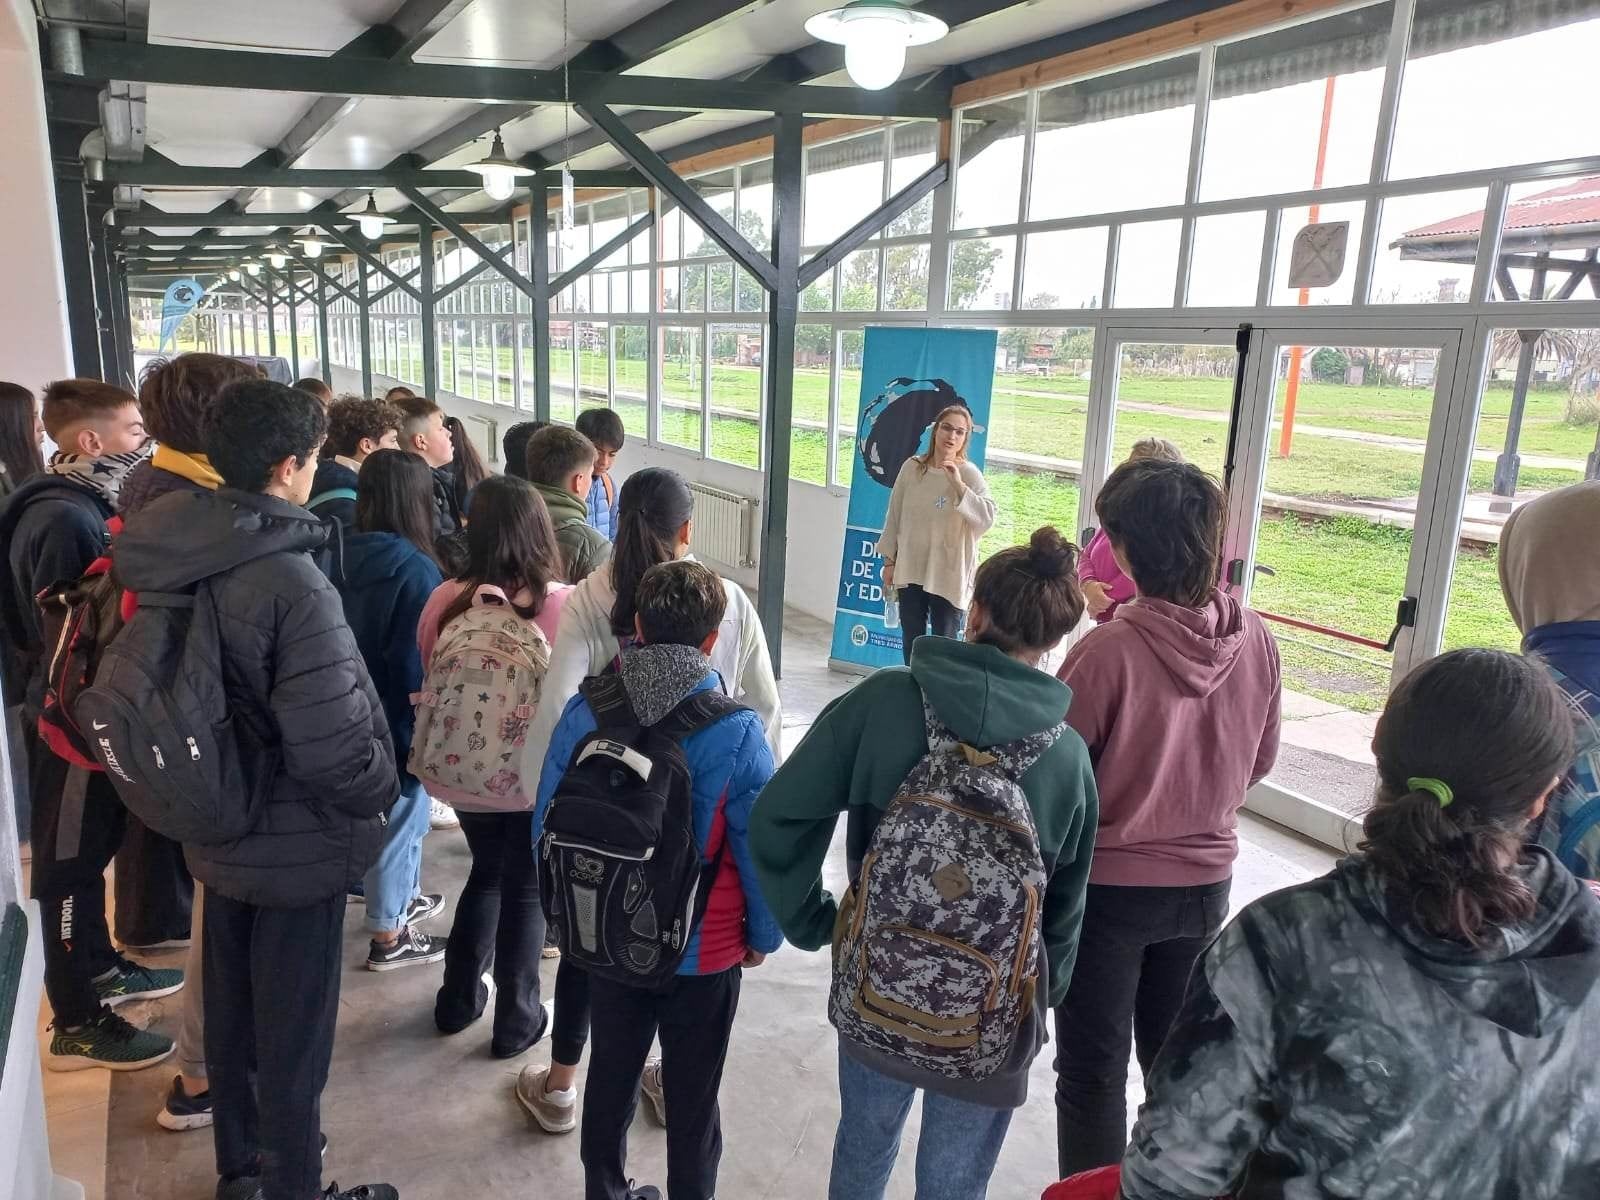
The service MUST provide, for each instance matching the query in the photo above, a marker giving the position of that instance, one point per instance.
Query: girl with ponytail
(1422, 1022)
(988, 692)
(655, 523)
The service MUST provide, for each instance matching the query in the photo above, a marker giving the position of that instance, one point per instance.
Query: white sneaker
(556, 1112)
(442, 816)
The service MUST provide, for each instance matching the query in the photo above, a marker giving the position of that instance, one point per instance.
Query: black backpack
(159, 721)
(624, 884)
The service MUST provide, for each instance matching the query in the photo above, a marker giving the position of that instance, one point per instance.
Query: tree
(1330, 366)
(972, 264)
(1017, 341)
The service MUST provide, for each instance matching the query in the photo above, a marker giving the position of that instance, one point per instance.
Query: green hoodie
(584, 549)
(865, 743)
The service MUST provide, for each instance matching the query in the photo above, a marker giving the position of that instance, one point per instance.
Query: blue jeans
(956, 1150)
(397, 875)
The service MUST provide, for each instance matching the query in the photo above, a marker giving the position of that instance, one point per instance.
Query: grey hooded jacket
(1329, 1047)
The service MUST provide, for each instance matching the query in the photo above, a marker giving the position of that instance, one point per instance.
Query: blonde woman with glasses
(938, 510)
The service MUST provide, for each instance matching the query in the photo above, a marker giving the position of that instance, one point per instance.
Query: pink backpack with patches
(477, 700)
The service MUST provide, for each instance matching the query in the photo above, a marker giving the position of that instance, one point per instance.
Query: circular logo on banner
(858, 635)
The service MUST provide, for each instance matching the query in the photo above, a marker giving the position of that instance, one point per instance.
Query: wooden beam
(1244, 17)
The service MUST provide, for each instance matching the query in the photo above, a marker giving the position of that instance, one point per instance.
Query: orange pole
(1291, 391)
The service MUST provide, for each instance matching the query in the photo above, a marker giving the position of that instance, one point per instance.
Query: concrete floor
(436, 1117)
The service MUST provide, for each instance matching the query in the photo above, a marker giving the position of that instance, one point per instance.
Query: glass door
(1337, 498)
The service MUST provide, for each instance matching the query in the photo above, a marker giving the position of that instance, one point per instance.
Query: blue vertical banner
(907, 377)
(179, 301)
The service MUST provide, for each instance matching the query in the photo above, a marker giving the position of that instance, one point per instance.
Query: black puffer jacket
(301, 699)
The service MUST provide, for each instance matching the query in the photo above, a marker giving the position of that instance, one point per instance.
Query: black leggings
(917, 608)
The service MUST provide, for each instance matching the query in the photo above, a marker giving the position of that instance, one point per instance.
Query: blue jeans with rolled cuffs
(397, 875)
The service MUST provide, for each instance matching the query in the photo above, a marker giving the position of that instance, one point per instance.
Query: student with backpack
(301, 730)
(387, 576)
(490, 631)
(1177, 699)
(176, 397)
(53, 527)
(644, 803)
(1422, 1022)
(603, 427)
(357, 429)
(655, 521)
(1550, 577)
(971, 823)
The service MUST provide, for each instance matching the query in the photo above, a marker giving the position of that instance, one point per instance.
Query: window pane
(1532, 208)
(594, 366)
(916, 148)
(610, 219)
(736, 358)
(682, 384)
(669, 225)
(755, 203)
(502, 363)
(639, 291)
(694, 288)
(819, 296)
(1275, 90)
(981, 271)
(1426, 248)
(1296, 219)
(751, 297)
(1147, 264)
(905, 284)
(632, 344)
(1487, 84)
(525, 341)
(808, 438)
(1069, 265)
(669, 289)
(859, 282)
(844, 182)
(719, 287)
(1040, 404)
(562, 388)
(1115, 142)
(851, 344)
(1226, 264)
(989, 178)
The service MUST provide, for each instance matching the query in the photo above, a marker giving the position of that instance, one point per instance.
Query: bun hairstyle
(1030, 594)
(1468, 744)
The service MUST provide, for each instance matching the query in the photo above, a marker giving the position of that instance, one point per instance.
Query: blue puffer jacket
(384, 584)
(729, 763)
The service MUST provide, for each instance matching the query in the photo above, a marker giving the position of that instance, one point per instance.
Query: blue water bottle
(891, 609)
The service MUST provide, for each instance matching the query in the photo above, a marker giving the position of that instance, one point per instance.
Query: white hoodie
(586, 646)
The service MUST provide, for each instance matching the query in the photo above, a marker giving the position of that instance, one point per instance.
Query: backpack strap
(609, 699)
(322, 498)
(697, 712)
(488, 595)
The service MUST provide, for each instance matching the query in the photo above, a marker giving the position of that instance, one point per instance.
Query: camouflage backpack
(936, 953)
(477, 700)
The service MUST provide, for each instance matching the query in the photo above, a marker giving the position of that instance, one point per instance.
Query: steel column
(539, 257)
(787, 171)
(294, 328)
(365, 331)
(322, 328)
(430, 331)
(77, 265)
(100, 249)
(272, 323)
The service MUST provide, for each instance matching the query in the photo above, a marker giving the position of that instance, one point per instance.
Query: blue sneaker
(130, 981)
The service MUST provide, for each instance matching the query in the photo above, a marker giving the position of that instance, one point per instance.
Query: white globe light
(874, 61)
(277, 259)
(371, 227)
(253, 267)
(312, 247)
(499, 182)
(233, 274)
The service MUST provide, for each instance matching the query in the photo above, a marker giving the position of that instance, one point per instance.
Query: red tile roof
(1576, 202)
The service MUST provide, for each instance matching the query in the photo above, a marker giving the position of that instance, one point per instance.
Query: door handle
(1405, 617)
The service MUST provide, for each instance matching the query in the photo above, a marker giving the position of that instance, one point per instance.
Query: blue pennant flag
(181, 297)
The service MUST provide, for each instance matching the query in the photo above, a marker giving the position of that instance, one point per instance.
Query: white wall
(34, 343)
(816, 515)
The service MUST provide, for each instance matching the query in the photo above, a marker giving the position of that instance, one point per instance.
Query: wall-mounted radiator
(724, 526)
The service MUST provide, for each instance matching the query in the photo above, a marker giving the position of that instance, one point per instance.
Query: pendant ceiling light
(499, 170)
(311, 244)
(276, 257)
(371, 221)
(875, 34)
(233, 274)
(254, 268)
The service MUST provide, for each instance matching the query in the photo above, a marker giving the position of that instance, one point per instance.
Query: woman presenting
(938, 510)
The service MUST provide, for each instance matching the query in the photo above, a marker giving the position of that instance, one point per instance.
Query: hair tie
(1438, 787)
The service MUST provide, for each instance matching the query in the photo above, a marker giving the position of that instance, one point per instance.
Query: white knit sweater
(586, 646)
(931, 538)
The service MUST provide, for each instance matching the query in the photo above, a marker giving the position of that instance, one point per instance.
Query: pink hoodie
(1099, 565)
(1179, 709)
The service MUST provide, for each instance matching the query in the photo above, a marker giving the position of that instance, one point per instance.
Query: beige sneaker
(650, 1084)
(556, 1112)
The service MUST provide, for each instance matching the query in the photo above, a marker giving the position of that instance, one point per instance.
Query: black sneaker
(647, 1192)
(424, 907)
(107, 1041)
(370, 1191)
(240, 1187)
(129, 981)
(411, 947)
(182, 1111)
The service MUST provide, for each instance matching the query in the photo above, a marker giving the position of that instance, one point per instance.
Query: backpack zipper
(607, 851)
(960, 947)
(924, 798)
(1027, 937)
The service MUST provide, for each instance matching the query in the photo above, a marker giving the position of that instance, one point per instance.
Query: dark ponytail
(394, 494)
(653, 506)
(1030, 594)
(1494, 730)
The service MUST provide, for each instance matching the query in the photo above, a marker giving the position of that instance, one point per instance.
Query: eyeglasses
(946, 427)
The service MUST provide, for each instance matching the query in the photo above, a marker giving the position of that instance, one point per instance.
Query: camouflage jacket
(1331, 1048)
